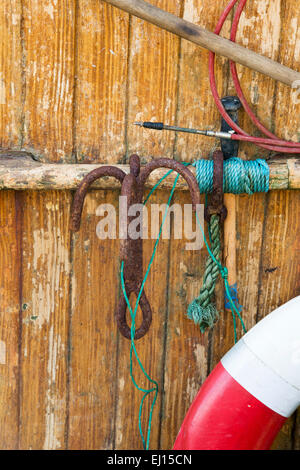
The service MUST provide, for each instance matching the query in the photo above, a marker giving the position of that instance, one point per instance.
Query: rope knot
(224, 273)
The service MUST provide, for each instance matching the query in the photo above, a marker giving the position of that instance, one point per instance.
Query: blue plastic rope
(234, 296)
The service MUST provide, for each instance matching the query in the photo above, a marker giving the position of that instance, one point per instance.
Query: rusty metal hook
(131, 251)
(216, 203)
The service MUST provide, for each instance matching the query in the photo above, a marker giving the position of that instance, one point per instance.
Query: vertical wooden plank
(249, 233)
(101, 82)
(287, 107)
(93, 332)
(150, 350)
(187, 351)
(296, 436)
(153, 83)
(49, 32)
(10, 261)
(281, 253)
(45, 306)
(259, 30)
(196, 107)
(279, 280)
(268, 268)
(284, 440)
(283, 224)
(10, 74)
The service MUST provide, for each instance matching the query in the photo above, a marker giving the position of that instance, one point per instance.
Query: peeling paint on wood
(74, 75)
(2, 352)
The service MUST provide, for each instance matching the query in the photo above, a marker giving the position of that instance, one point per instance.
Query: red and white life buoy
(252, 391)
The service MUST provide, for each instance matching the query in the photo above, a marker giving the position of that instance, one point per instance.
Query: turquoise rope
(133, 327)
(239, 177)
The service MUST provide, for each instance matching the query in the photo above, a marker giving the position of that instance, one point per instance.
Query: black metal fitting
(231, 104)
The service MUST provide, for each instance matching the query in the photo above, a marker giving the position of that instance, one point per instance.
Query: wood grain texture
(10, 74)
(260, 30)
(287, 105)
(280, 261)
(207, 39)
(45, 310)
(296, 436)
(18, 171)
(48, 37)
(93, 336)
(186, 355)
(73, 77)
(153, 83)
(151, 348)
(196, 106)
(10, 260)
(101, 82)
(279, 276)
(248, 230)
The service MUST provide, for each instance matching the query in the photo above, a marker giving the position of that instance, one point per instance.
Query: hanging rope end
(205, 317)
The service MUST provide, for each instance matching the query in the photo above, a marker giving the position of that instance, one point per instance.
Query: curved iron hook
(83, 188)
(179, 168)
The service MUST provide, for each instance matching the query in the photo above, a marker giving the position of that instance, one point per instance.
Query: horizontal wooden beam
(19, 171)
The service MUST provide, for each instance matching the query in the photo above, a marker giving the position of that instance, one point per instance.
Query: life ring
(253, 390)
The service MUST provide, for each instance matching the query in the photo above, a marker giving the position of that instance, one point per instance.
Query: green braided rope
(202, 311)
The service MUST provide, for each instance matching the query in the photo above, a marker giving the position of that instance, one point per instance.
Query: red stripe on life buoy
(224, 416)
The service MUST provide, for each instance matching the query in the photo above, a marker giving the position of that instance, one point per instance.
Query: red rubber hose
(272, 143)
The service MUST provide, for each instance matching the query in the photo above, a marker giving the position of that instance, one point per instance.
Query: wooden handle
(209, 40)
(230, 238)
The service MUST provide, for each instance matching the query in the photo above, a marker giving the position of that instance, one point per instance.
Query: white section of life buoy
(266, 361)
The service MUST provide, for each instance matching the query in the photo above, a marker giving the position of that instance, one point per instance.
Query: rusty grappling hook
(131, 251)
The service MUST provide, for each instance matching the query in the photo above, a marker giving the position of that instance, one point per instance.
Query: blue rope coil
(240, 176)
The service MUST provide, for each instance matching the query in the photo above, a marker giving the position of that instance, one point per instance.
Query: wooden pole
(230, 240)
(18, 170)
(208, 40)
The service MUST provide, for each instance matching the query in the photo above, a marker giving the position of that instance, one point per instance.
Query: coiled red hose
(272, 142)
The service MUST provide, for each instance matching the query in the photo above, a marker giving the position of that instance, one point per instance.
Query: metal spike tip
(138, 124)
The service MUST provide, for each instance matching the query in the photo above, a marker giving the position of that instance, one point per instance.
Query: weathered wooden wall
(74, 75)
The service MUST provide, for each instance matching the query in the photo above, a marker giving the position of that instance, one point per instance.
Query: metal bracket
(216, 204)
(131, 251)
(231, 104)
(229, 149)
